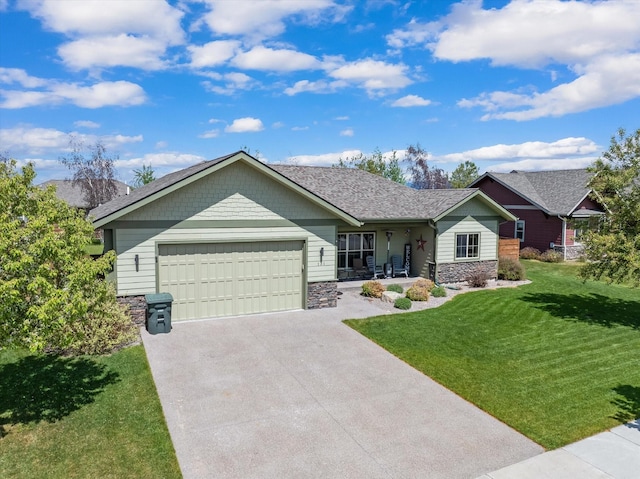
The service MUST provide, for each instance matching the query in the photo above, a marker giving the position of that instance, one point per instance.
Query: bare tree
(421, 175)
(94, 173)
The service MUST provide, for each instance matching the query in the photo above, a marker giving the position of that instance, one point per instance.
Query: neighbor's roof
(555, 192)
(357, 193)
(73, 195)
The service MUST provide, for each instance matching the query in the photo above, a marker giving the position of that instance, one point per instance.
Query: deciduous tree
(421, 175)
(51, 294)
(93, 170)
(143, 176)
(377, 164)
(613, 247)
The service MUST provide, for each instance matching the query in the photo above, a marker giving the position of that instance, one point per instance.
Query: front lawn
(82, 417)
(558, 359)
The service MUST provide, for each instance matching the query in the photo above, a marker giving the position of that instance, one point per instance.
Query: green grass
(94, 249)
(558, 359)
(87, 417)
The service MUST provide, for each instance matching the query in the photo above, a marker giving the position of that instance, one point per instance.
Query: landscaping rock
(391, 296)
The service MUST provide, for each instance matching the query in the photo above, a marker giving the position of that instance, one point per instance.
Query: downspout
(564, 238)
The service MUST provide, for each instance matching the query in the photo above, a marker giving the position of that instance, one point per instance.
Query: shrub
(477, 279)
(551, 256)
(510, 269)
(395, 288)
(439, 292)
(529, 253)
(402, 303)
(105, 328)
(373, 289)
(419, 291)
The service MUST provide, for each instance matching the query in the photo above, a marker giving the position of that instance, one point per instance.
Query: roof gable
(174, 181)
(556, 192)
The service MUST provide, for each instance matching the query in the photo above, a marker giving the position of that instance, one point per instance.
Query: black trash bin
(159, 312)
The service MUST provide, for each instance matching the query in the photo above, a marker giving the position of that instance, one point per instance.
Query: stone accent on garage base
(136, 308)
(458, 272)
(323, 294)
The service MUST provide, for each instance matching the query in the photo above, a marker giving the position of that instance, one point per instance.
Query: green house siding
(238, 204)
(446, 240)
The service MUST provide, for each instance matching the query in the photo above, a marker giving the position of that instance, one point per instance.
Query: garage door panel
(226, 279)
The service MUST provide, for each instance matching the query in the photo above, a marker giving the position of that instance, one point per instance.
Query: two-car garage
(228, 279)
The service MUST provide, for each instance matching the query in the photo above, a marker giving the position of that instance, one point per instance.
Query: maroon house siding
(540, 230)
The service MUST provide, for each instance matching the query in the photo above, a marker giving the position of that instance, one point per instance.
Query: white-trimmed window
(519, 233)
(354, 245)
(467, 245)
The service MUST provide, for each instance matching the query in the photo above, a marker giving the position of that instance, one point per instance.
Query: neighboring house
(553, 207)
(236, 236)
(73, 194)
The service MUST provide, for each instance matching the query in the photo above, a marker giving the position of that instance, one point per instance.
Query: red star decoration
(421, 243)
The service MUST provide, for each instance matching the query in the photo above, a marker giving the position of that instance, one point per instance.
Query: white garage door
(228, 279)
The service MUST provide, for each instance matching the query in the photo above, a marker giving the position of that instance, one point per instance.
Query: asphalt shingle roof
(557, 192)
(73, 195)
(363, 195)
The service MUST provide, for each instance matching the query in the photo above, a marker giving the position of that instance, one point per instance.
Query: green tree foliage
(143, 176)
(613, 248)
(422, 175)
(464, 174)
(376, 164)
(48, 285)
(93, 170)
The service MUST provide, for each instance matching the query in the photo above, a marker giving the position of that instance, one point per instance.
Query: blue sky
(520, 84)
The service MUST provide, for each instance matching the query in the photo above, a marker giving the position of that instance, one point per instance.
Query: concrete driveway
(300, 394)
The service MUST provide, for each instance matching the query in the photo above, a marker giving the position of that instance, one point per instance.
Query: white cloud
(213, 53)
(17, 75)
(534, 33)
(542, 165)
(210, 134)
(320, 86)
(37, 141)
(244, 125)
(170, 160)
(111, 51)
(107, 33)
(86, 124)
(532, 150)
(277, 124)
(266, 18)
(326, 159)
(606, 81)
(341, 118)
(229, 83)
(299, 128)
(599, 42)
(269, 59)
(52, 92)
(411, 100)
(347, 132)
(161, 145)
(373, 75)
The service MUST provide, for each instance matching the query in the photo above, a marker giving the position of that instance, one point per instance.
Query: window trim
(466, 246)
(515, 233)
(347, 251)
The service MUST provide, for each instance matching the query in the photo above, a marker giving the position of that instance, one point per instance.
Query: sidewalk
(614, 454)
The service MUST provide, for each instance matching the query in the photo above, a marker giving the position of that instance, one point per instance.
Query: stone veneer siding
(458, 272)
(573, 252)
(136, 308)
(323, 294)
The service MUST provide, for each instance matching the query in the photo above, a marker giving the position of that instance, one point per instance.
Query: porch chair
(359, 269)
(398, 266)
(374, 269)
